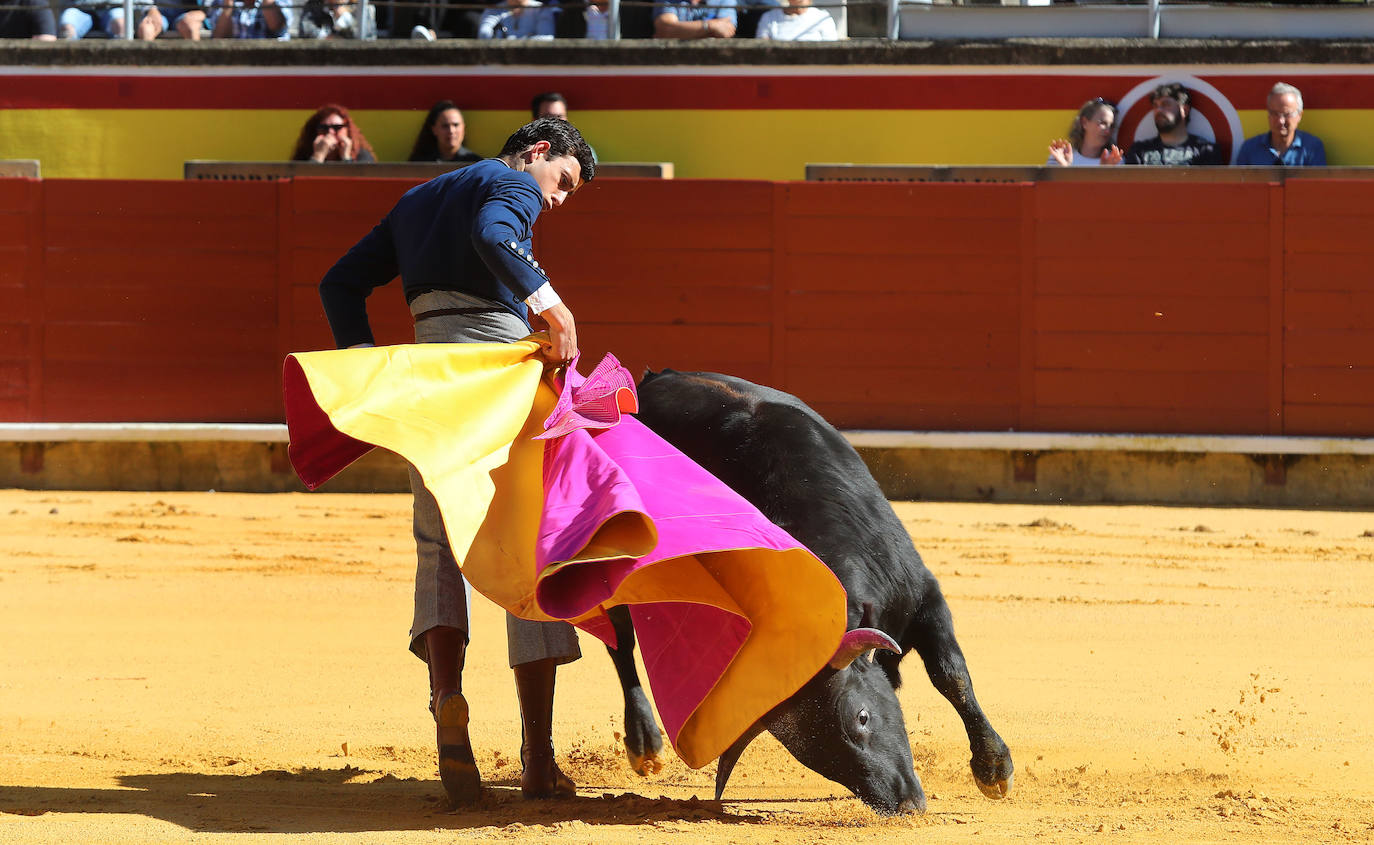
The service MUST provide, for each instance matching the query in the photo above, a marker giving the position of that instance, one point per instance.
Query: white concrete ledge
(142, 432)
(1016, 441)
(1032, 441)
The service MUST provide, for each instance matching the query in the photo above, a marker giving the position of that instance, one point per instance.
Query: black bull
(845, 723)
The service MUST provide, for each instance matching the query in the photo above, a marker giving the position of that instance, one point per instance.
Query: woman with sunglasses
(331, 135)
(1090, 138)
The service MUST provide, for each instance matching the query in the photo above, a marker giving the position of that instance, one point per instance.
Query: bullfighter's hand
(562, 343)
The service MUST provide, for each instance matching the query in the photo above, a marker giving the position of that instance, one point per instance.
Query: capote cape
(558, 506)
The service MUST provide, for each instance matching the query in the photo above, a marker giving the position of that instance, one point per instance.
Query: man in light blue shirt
(522, 19)
(691, 19)
(1283, 144)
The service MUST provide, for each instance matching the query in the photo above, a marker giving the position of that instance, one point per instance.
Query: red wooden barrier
(21, 237)
(1328, 331)
(159, 301)
(1186, 307)
(1150, 308)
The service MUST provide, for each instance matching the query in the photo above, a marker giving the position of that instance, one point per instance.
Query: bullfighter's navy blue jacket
(469, 231)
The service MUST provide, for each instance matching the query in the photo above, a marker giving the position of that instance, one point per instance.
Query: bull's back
(764, 443)
(777, 452)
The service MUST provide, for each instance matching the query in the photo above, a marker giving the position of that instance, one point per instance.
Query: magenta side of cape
(590, 478)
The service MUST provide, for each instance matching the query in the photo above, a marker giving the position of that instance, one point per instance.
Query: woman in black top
(441, 138)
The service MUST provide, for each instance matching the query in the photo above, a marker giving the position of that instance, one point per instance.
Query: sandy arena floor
(217, 668)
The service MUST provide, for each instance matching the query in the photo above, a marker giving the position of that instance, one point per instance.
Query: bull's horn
(858, 641)
(726, 764)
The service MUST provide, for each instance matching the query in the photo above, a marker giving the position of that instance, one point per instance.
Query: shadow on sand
(346, 800)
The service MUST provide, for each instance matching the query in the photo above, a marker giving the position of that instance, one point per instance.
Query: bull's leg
(932, 635)
(643, 742)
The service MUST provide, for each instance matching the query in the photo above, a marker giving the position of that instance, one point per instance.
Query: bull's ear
(858, 641)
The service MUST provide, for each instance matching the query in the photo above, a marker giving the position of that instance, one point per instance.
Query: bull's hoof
(643, 742)
(996, 790)
(645, 764)
(992, 767)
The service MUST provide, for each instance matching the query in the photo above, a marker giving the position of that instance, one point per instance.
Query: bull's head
(846, 725)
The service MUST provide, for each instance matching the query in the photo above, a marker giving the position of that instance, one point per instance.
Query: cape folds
(559, 504)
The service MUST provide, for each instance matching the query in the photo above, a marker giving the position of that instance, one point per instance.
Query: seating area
(441, 20)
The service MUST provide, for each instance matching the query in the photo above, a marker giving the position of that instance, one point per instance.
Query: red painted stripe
(361, 91)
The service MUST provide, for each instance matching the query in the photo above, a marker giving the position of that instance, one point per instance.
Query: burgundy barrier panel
(21, 239)
(1328, 291)
(1230, 308)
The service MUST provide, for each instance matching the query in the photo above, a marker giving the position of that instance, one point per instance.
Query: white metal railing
(995, 19)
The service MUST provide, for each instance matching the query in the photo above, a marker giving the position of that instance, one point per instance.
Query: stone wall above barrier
(984, 52)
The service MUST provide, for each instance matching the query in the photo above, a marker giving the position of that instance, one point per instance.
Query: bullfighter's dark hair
(562, 137)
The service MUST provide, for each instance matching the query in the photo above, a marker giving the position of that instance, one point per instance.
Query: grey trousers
(441, 592)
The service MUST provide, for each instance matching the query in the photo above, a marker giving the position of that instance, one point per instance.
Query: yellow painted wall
(772, 144)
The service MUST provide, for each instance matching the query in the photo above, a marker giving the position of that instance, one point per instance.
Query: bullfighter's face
(558, 177)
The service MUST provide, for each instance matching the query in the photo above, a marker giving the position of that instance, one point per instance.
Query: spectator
(689, 19)
(441, 136)
(553, 104)
(549, 104)
(1283, 144)
(1090, 138)
(77, 21)
(798, 20)
(524, 19)
(28, 19)
(335, 19)
(331, 135)
(598, 19)
(1175, 145)
(250, 19)
(424, 21)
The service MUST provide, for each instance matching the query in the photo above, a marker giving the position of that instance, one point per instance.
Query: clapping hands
(1061, 152)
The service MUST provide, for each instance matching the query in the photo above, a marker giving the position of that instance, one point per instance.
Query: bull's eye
(863, 718)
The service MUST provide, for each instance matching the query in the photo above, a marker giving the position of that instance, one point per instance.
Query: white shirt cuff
(543, 299)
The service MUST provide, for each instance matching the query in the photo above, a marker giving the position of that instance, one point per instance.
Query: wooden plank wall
(668, 273)
(1328, 331)
(320, 219)
(1150, 308)
(1055, 306)
(21, 238)
(902, 303)
(159, 301)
